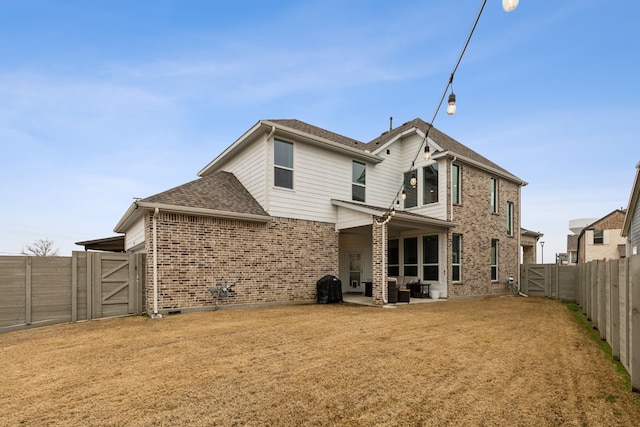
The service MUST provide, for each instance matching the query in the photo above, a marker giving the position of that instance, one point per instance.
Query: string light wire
(387, 216)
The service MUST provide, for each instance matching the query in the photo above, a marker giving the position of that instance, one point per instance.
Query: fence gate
(112, 285)
(534, 280)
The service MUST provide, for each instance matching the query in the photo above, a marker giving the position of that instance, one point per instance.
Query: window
(283, 164)
(494, 260)
(430, 184)
(410, 256)
(598, 237)
(509, 218)
(412, 191)
(455, 184)
(358, 181)
(393, 258)
(494, 195)
(456, 245)
(430, 257)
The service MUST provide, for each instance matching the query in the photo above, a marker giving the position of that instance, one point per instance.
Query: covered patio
(372, 252)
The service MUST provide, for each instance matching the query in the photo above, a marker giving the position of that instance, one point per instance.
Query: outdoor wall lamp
(509, 5)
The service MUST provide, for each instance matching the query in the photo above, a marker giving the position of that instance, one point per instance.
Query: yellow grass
(487, 362)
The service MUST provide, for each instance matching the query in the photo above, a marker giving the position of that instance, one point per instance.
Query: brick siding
(478, 226)
(276, 262)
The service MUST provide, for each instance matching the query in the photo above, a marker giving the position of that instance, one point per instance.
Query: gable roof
(219, 194)
(450, 146)
(633, 203)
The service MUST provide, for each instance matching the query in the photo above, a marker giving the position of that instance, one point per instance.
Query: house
(631, 225)
(602, 239)
(288, 203)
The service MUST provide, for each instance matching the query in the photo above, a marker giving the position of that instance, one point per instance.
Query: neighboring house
(529, 243)
(602, 239)
(572, 249)
(631, 225)
(288, 203)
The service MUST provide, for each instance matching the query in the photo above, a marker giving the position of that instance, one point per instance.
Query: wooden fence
(37, 291)
(609, 295)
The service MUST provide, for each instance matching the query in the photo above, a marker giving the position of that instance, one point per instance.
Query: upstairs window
(358, 181)
(455, 184)
(494, 195)
(598, 237)
(283, 164)
(410, 190)
(430, 184)
(509, 218)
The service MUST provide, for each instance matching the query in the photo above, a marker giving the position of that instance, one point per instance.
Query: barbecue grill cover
(329, 290)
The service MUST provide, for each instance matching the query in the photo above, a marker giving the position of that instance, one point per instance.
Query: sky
(103, 102)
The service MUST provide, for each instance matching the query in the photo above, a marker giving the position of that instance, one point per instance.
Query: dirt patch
(489, 362)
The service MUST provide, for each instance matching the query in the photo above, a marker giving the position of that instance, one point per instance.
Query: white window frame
(283, 167)
(355, 183)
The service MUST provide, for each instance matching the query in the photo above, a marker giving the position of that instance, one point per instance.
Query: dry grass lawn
(486, 362)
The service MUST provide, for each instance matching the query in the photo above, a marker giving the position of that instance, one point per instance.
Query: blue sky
(104, 101)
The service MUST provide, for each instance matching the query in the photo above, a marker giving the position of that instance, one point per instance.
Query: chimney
(390, 123)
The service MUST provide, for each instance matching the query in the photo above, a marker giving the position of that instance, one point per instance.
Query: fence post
(27, 290)
(634, 282)
(614, 274)
(602, 300)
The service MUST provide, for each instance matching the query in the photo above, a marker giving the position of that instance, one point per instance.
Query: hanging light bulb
(451, 109)
(413, 180)
(509, 5)
(427, 156)
(404, 195)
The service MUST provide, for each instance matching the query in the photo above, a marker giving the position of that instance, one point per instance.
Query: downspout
(266, 169)
(155, 314)
(384, 263)
(451, 196)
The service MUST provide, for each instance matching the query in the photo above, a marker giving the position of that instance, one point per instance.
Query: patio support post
(379, 243)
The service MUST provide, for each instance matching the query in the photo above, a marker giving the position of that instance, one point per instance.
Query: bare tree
(41, 247)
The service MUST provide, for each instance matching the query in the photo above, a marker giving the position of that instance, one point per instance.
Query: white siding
(135, 235)
(318, 177)
(349, 219)
(249, 167)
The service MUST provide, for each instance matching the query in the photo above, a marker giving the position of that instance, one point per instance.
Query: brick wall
(277, 262)
(478, 226)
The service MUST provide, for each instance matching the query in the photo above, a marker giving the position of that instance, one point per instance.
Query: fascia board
(396, 138)
(231, 149)
(121, 226)
(482, 166)
(633, 201)
(204, 212)
(323, 142)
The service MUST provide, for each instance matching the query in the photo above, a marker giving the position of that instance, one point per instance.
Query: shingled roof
(220, 191)
(443, 140)
(319, 132)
